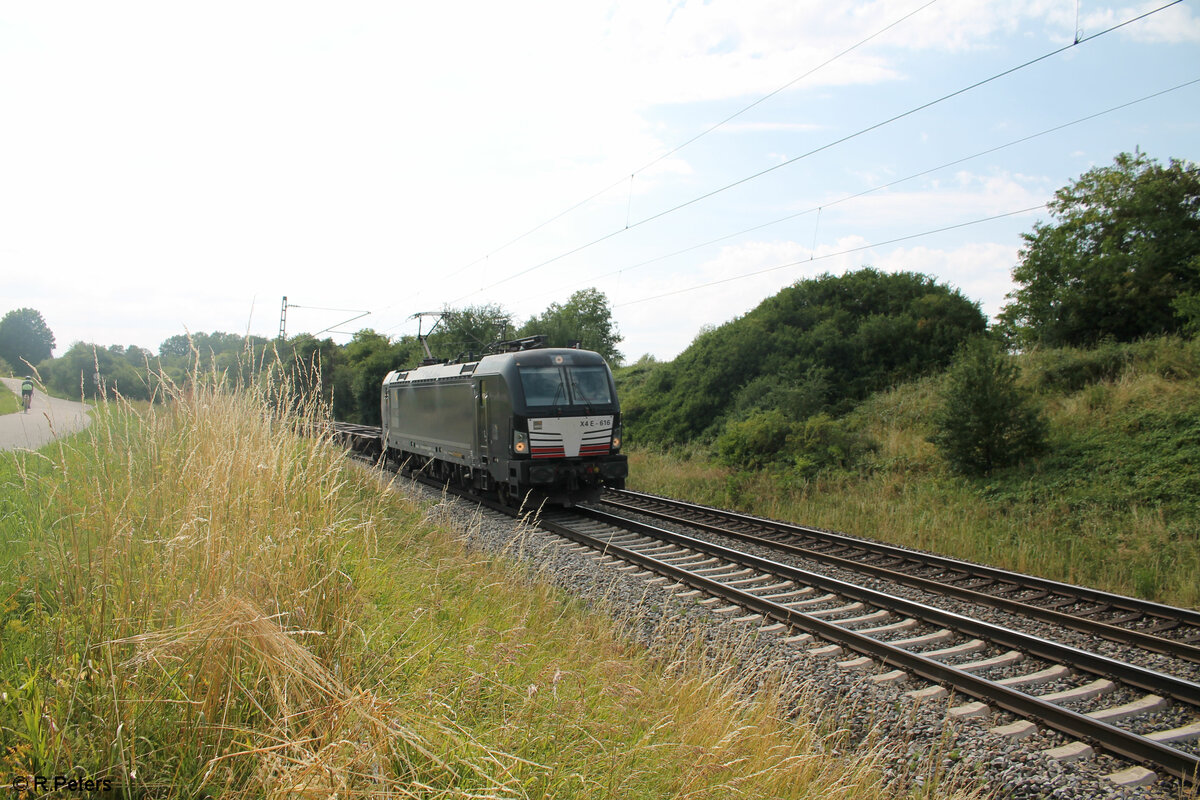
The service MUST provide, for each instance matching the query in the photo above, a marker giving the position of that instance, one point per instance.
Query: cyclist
(27, 392)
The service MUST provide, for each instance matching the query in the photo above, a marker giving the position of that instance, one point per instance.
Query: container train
(536, 423)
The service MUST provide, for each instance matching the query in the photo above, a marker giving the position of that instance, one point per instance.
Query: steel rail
(1147, 679)
(1115, 740)
(1147, 641)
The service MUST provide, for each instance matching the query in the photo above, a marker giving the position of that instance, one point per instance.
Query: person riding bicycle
(27, 392)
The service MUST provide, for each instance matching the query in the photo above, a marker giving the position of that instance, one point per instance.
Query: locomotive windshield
(552, 386)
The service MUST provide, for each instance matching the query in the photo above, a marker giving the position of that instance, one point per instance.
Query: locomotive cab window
(589, 386)
(543, 386)
(555, 386)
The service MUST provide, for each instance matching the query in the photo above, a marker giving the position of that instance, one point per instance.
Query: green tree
(986, 421)
(25, 338)
(1187, 306)
(1120, 252)
(215, 343)
(92, 371)
(585, 318)
(365, 360)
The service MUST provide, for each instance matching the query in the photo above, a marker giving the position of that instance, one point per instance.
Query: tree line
(347, 376)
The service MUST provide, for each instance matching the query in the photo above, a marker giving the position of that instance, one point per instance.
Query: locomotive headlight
(616, 440)
(520, 442)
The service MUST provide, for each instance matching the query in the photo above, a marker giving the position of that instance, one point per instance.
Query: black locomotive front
(546, 422)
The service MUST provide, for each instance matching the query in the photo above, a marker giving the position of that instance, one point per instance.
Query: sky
(175, 167)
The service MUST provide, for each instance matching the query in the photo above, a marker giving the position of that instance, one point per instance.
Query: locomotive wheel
(510, 495)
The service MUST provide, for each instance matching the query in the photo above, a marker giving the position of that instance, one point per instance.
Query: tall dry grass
(195, 598)
(183, 579)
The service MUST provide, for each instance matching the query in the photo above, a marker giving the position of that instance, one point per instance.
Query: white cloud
(1174, 25)
(981, 270)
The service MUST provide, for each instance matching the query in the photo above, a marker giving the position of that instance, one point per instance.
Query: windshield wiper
(581, 395)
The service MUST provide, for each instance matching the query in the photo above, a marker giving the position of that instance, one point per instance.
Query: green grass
(193, 597)
(10, 403)
(1115, 503)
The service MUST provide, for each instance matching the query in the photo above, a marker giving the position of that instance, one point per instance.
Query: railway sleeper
(743, 583)
(830, 612)
(1020, 729)
(683, 562)
(661, 550)
(860, 663)
(826, 651)
(1128, 778)
(815, 601)
(1143, 705)
(976, 710)
(789, 595)
(972, 646)
(874, 616)
(1002, 660)
(1053, 673)
(1085, 692)
(943, 635)
(903, 625)
(1184, 733)
(775, 587)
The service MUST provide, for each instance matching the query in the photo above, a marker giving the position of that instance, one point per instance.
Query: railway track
(1127, 620)
(893, 638)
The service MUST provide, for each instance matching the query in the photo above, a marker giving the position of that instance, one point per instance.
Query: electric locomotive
(542, 422)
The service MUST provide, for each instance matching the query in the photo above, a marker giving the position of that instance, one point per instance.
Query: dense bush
(986, 421)
(755, 441)
(820, 345)
(769, 438)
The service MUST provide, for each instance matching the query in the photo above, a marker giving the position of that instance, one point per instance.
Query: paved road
(48, 417)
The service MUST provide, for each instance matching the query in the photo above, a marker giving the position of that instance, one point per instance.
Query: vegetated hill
(1114, 502)
(820, 345)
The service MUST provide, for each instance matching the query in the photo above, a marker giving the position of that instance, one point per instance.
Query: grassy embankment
(10, 403)
(195, 598)
(1115, 502)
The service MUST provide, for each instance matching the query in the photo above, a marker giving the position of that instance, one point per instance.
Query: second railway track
(1139, 623)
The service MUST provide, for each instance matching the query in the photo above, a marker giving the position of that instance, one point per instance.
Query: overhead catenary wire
(827, 146)
(694, 139)
(358, 314)
(847, 251)
(830, 203)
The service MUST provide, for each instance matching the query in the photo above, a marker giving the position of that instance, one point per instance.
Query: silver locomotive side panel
(436, 420)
